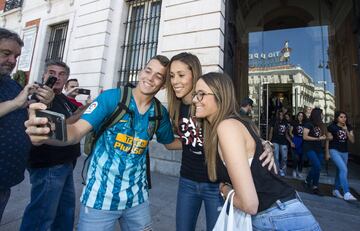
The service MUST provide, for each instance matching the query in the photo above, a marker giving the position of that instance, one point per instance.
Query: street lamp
(323, 82)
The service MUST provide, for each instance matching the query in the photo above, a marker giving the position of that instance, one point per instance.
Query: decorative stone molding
(49, 5)
(3, 20)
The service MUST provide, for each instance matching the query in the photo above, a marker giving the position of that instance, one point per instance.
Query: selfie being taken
(179, 115)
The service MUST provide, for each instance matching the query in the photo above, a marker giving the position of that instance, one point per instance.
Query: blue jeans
(316, 159)
(52, 204)
(190, 196)
(340, 159)
(4, 198)
(283, 150)
(283, 216)
(132, 219)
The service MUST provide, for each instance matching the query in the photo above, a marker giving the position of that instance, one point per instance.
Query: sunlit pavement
(333, 214)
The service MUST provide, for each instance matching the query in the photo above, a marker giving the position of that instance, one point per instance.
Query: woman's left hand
(267, 157)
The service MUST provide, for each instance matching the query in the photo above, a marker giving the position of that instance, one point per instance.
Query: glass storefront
(294, 56)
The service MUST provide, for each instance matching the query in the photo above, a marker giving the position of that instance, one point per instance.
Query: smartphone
(83, 91)
(56, 123)
(49, 82)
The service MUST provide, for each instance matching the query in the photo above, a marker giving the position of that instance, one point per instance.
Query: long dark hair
(336, 116)
(297, 117)
(316, 119)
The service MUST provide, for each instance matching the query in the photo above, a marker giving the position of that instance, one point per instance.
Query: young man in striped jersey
(116, 187)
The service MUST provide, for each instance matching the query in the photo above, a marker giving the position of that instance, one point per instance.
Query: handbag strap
(230, 197)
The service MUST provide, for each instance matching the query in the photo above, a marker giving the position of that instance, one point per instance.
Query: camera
(56, 124)
(50, 82)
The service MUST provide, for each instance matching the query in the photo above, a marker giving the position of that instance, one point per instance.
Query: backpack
(121, 109)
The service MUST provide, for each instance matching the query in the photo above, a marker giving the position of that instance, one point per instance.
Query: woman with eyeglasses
(232, 147)
(195, 186)
(339, 133)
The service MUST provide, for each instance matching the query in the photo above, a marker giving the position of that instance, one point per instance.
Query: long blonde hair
(222, 86)
(194, 66)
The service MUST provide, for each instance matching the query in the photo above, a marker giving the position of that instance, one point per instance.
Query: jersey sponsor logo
(91, 108)
(130, 144)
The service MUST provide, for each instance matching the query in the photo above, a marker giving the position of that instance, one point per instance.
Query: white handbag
(235, 220)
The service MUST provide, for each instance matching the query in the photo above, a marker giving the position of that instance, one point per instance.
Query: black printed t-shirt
(279, 132)
(45, 156)
(14, 142)
(340, 138)
(193, 165)
(298, 129)
(314, 131)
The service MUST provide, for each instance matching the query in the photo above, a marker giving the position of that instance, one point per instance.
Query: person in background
(71, 87)
(195, 186)
(14, 142)
(313, 135)
(296, 133)
(246, 106)
(279, 136)
(339, 133)
(52, 203)
(232, 147)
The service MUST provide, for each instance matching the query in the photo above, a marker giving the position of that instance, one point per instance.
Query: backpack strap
(156, 118)
(121, 109)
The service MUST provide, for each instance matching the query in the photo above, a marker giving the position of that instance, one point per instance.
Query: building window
(12, 4)
(141, 38)
(57, 42)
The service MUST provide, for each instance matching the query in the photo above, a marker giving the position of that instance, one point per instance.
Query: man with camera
(15, 144)
(52, 204)
(72, 90)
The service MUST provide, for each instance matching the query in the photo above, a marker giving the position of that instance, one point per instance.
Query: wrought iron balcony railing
(12, 4)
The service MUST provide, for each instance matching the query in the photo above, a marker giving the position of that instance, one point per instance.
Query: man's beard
(6, 71)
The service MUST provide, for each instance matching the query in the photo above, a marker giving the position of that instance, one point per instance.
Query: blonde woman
(232, 148)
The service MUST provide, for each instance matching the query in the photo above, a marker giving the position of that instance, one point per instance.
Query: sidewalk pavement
(333, 214)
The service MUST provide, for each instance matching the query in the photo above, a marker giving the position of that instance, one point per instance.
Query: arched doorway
(321, 69)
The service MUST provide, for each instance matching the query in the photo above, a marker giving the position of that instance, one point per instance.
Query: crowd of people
(214, 137)
(310, 138)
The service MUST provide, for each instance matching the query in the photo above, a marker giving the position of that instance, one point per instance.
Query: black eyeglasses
(200, 95)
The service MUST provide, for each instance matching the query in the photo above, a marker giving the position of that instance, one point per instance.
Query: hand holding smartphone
(49, 82)
(56, 124)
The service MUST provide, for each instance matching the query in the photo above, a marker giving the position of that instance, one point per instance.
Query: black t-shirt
(44, 156)
(193, 164)
(298, 129)
(269, 187)
(314, 131)
(340, 138)
(279, 132)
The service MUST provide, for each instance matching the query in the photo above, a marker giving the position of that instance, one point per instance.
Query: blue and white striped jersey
(116, 177)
